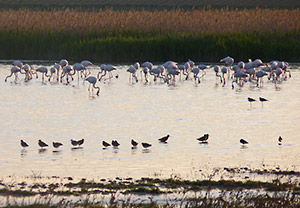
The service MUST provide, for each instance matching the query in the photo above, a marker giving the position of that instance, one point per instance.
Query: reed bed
(178, 21)
(126, 36)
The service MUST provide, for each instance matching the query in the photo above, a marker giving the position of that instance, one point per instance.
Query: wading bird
(14, 70)
(105, 144)
(115, 143)
(24, 144)
(92, 80)
(262, 100)
(146, 145)
(42, 144)
(56, 144)
(134, 143)
(280, 140)
(164, 139)
(80, 142)
(243, 141)
(204, 138)
(74, 142)
(251, 100)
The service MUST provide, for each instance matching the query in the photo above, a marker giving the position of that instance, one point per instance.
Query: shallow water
(124, 111)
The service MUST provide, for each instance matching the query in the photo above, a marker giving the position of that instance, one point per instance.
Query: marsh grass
(126, 36)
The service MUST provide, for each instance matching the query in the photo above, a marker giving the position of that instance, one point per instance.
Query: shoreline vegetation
(107, 35)
(153, 192)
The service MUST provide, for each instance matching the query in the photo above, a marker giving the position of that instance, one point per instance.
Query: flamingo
(52, 71)
(259, 75)
(44, 72)
(217, 69)
(63, 63)
(106, 68)
(86, 64)
(145, 70)
(251, 72)
(224, 71)
(238, 78)
(79, 68)
(196, 71)
(202, 67)
(132, 70)
(67, 72)
(172, 70)
(157, 72)
(28, 72)
(14, 70)
(92, 80)
(229, 61)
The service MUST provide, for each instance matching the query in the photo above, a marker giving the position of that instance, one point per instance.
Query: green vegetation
(155, 46)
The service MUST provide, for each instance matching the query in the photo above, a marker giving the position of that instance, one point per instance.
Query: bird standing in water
(56, 144)
(280, 140)
(146, 145)
(42, 144)
(164, 139)
(105, 144)
(251, 100)
(134, 143)
(262, 100)
(24, 144)
(243, 141)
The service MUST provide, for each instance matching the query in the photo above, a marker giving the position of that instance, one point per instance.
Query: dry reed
(178, 21)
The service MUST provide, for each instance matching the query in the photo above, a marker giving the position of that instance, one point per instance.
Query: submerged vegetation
(126, 36)
(146, 192)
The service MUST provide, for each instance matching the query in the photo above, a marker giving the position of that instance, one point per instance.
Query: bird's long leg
(102, 75)
(8, 76)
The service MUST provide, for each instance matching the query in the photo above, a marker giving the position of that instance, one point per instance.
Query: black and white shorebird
(280, 140)
(204, 138)
(74, 142)
(42, 144)
(146, 145)
(262, 100)
(134, 143)
(251, 100)
(80, 142)
(23, 144)
(105, 144)
(115, 143)
(164, 139)
(243, 141)
(56, 144)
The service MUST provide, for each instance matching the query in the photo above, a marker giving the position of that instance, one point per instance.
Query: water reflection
(146, 151)
(56, 152)
(23, 153)
(42, 151)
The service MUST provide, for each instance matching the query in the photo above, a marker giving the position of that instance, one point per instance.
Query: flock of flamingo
(252, 71)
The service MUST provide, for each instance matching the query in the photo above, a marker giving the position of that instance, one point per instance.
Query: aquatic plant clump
(141, 193)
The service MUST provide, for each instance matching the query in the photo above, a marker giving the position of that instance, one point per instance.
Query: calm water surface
(124, 111)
